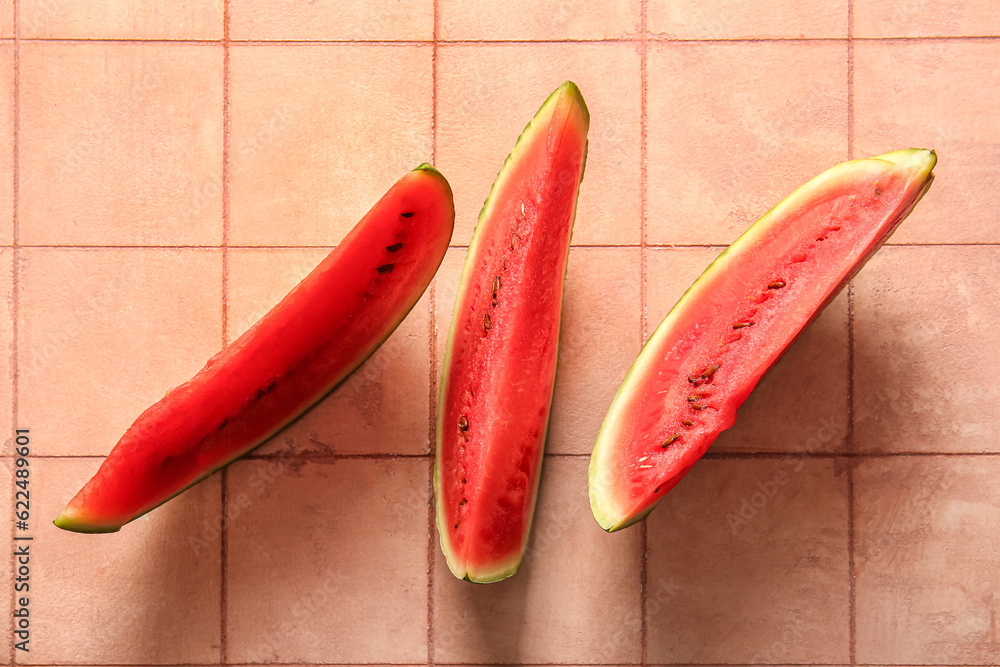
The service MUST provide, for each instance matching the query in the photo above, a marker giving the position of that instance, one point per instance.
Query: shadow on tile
(574, 579)
(147, 594)
(747, 560)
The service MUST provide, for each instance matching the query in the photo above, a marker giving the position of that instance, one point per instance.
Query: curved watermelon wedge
(297, 353)
(737, 320)
(500, 363)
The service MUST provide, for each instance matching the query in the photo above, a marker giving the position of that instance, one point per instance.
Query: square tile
(754, 19)
(927, 560)
(488, 93)
(545, 20)
(147, 594)
(103, 334)
(940, 95)
(306, 166)
(121, 19)
(7, 20)
(750, 558)
(121, 144)
(925, 18)
(445, 286)
(6, 144)
(556, 609)
(332, 19)
(721, 156)
(801, 404)
(328, 561)
(600, 336)
(925, 351)
(383, 407)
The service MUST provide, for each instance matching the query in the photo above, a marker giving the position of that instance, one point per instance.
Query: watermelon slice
(298, 352)
(500, 364)
(735, 322)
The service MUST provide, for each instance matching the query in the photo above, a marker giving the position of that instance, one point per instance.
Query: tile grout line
(432, 359)
(489, 42)
(718, 456)
(224, 477)
(15, 290)
(456, 246)
(851, 463)
(643, 80)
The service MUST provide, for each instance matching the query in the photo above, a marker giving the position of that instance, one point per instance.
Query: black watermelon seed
(671, 440)
(394, 247)
(463, 423)
(385, 268)
(777, 284)
(408, 215)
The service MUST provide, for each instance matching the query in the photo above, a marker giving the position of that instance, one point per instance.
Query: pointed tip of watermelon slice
(74, 522)
(919, 161)
(572, 91)
(426, 166)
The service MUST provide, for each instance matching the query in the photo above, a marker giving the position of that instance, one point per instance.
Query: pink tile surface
(120, 144)
(913, 371)
(847, 518)
(103, 334)
(306, 166)
(749, 19)
(938, 94)
(534, 20)
(598, 341)
(149, 594)
(332, 20)
(352, 556)
(927, 560)
(748, 562)
(720, 156)
(925, 18)
(7, 144)
(122, 19)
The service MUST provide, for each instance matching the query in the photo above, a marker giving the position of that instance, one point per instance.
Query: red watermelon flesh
(737, 320)
(297, 353)
(499, 369)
